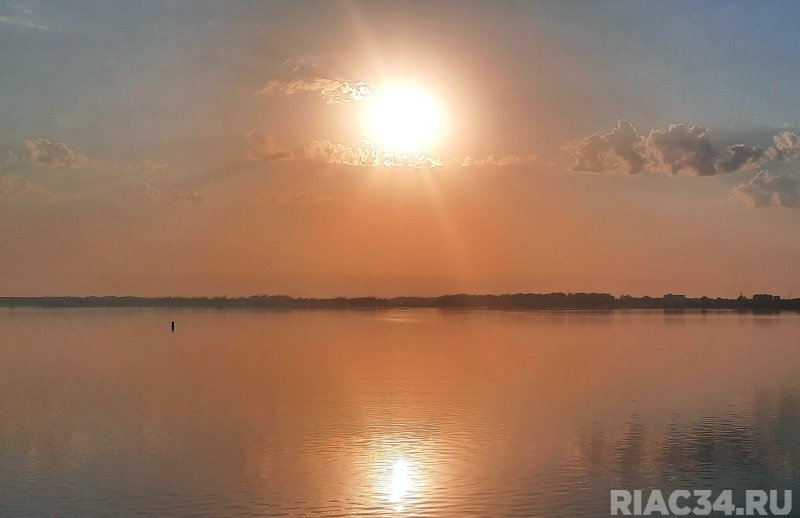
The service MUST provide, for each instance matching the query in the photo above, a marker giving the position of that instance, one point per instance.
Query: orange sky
(221, 150)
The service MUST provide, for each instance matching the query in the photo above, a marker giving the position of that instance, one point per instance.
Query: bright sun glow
(400, 483)
(403, 119)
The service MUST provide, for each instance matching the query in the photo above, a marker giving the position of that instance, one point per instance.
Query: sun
(403, 119)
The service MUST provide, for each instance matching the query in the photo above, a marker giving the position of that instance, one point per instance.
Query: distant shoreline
(566, 301)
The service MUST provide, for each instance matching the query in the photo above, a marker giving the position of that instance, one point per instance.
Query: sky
(398, 148)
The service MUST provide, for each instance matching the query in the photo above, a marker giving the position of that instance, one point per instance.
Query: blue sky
(157, 67)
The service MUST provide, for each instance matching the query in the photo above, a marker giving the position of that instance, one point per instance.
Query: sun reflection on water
(401, 482)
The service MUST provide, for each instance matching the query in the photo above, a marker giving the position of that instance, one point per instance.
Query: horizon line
(553, 300)
(391, 297)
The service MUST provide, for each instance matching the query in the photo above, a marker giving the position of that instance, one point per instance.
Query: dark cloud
(767, 190)
(40, 151)
(681, 148)
(264, 148)
(675, 149)
(744, 157)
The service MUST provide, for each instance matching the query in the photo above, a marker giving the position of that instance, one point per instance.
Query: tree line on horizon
(508, 301)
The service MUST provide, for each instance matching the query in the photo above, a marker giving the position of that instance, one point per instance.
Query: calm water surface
(388, 413)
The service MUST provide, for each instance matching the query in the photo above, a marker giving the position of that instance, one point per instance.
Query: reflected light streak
(400, 484)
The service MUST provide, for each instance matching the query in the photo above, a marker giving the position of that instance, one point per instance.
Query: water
(388, 413)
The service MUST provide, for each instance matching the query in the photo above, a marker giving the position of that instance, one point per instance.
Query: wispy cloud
(500, 160)
(188, 198)
(333, 91)
(22, 22)
(265, 148)
(303, 198)
(149, 166)
(40, 151)
(303, 75)
(147, 195)
(16, 188)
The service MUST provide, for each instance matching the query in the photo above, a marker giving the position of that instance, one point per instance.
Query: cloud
(746, 157)
(42, 152)
(332, 153)
(334, 91)
(620, 150)
(680, 148)
(389, 159)
(13, 186)
(307, 66)
(787, 146)
(21, 22)
(367, 154)
(151, 167)
(675, 149)
(303, 75)
(147, 195)
(264, 148)
(500, 161)
(767, 190)
(294, 199)
(186, 198)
